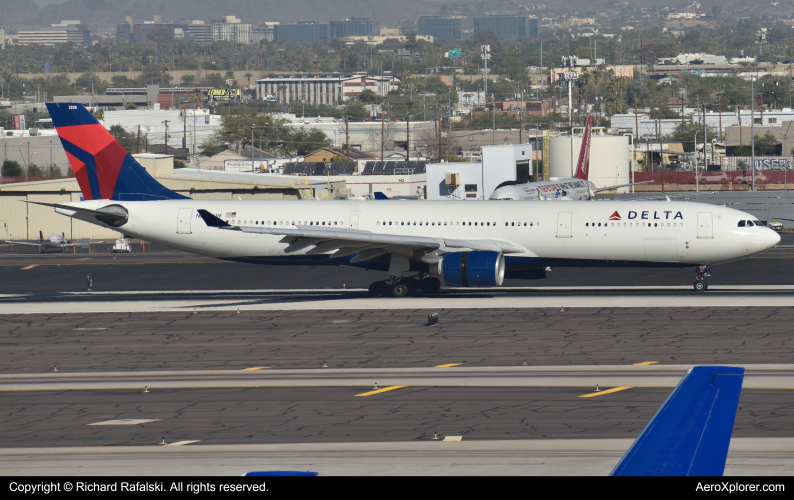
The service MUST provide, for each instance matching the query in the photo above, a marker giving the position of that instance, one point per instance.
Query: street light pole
(697, 176)
(752, 129)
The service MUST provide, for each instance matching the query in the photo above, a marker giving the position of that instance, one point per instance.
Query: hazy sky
(44, 3)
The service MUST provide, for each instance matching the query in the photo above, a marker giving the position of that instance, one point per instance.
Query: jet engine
(472, 269)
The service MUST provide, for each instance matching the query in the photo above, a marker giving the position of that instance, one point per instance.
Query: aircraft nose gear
(701, 272)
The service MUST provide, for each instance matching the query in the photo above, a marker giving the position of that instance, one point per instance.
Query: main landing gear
(402, 287)
(701, 272)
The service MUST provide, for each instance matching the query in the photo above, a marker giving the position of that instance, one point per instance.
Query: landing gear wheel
(378, 289)
(430, 285)
(411, 283)
(400, 289)
(701, 286)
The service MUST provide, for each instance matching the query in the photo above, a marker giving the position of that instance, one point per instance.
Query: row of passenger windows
(634, 224)
(283, 223)
(749, 223)
(420, 223)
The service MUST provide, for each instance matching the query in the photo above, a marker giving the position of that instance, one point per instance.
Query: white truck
(121, 245)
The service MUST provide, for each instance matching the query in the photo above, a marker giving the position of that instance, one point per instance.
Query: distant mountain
(15, 11)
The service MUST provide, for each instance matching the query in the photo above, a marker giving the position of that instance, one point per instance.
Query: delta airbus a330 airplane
(420, 243)
(577, 187)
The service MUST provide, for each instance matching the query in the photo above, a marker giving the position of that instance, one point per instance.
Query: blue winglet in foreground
(691, 432)
(381, 196)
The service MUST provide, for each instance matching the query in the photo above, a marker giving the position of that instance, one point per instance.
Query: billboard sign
(223, 94)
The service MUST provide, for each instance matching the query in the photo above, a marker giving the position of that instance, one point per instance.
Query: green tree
(35, 171)
(355, 110)
(236, 125)
(187, 79)
(212, 146)
(685, 134)
(179, 164)
(12, 168)
(126, 139)
(53, 171)
(122, 81)
(766, 145)
(368, 97)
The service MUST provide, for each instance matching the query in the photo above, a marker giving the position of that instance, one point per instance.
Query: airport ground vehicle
(420, 243)
(122, 245)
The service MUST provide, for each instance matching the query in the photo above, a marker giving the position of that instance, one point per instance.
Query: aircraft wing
(325, 239)
(24, 243)
(607, 188)
(691, 432)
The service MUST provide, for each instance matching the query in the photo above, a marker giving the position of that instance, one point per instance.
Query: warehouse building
(23, 221)
(322, 89)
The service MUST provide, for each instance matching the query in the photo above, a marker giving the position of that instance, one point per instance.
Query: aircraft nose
(771, 238)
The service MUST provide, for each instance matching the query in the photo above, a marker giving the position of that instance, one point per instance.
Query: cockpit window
(741, 223)
(758, 223)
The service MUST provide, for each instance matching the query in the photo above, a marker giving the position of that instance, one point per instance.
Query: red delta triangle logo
(614, 216)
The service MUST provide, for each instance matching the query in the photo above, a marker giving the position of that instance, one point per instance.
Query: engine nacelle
(472, 269)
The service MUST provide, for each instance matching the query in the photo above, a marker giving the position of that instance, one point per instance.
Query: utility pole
(166, 135)
(635, 139)
(719, 104)
(347, 140)
(407, 136)
(659, 136)
(486, 49)
(382, 132)
(252, 147)
(438, 131)
(752, 129)
(184, 128)
(705, 139)
(138, 142)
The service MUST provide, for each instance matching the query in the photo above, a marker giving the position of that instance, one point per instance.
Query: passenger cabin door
(705, 226)
(353, 221)
(564, 220)
(183, 221)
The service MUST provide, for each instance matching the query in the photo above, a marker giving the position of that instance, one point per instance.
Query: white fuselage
(630, 231)
(562, 189)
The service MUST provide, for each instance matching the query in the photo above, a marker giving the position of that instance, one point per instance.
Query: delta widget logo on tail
(615, 216)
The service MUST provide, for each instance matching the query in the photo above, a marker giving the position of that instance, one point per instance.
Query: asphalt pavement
(316, 415)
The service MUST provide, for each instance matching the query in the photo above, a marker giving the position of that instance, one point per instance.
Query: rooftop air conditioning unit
(452, 179)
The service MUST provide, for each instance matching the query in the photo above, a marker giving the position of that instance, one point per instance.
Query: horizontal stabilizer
(691, 432)
(212, 221)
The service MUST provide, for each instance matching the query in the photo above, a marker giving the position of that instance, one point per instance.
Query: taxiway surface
(248, 389)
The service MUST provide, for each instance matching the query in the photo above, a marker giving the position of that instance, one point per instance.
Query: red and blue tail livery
(103, 168)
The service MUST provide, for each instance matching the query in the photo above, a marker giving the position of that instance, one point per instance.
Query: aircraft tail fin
(103, 168)
(41, 237)
(583, 167)
(691, 431)
(380, 196)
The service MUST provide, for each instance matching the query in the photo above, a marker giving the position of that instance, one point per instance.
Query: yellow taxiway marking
(607, 391)
(448, 365)
(646, 363)
(181, 443)
(256, 368)
(378, 391)
(30, 267)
